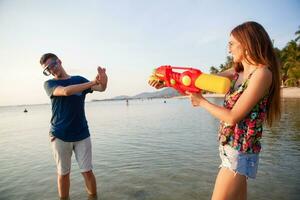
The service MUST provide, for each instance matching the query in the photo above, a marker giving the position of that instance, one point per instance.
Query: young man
(69, 130)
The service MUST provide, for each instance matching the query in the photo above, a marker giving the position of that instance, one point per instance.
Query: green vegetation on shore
(289, 58)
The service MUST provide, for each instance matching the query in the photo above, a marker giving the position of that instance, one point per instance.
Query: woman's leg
(230, 186)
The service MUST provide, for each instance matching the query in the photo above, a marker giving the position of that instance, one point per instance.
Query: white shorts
(243, 163)
(62, 152)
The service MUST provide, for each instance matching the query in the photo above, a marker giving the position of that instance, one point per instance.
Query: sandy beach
(290, 92)
(286, 92)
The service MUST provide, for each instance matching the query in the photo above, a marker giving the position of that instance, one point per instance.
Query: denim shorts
(242, 163)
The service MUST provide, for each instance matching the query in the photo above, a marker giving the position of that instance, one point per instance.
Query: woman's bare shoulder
(262, 75)
(264, 72)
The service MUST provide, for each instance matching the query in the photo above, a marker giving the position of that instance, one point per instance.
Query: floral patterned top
(246, 134)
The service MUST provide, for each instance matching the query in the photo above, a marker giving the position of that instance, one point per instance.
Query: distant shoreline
(286, 93)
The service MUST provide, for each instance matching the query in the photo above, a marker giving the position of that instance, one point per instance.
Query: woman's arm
(229, 73)
(257, 87)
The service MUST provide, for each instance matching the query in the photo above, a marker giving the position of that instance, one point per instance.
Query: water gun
(190, 79)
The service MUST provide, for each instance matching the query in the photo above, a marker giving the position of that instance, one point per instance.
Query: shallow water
(148, 150)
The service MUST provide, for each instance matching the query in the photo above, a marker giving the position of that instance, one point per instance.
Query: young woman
(254, 98)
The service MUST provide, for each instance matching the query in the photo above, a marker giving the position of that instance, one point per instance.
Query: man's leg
(63, 183)
(62, 152)
(83, 154)
(90, 183)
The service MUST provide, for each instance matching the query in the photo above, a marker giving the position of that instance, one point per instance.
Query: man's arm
(73, 89)
(100, 87)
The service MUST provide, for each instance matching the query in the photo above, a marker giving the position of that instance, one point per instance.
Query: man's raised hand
(101, 77)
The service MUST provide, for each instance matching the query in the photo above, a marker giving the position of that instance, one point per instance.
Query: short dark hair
(46, 56)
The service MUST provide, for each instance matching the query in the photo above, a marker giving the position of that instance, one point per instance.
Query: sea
(159, 149)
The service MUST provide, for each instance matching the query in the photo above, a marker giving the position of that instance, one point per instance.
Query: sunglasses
(53, 64)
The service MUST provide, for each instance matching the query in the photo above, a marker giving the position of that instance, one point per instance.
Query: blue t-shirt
(68, 121)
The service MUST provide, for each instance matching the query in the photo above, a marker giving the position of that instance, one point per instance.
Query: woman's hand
(156, 83)
(196, 99)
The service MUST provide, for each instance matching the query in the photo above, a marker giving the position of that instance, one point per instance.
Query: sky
(128, 37)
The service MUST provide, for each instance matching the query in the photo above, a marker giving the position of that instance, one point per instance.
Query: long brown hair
(259, 47)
